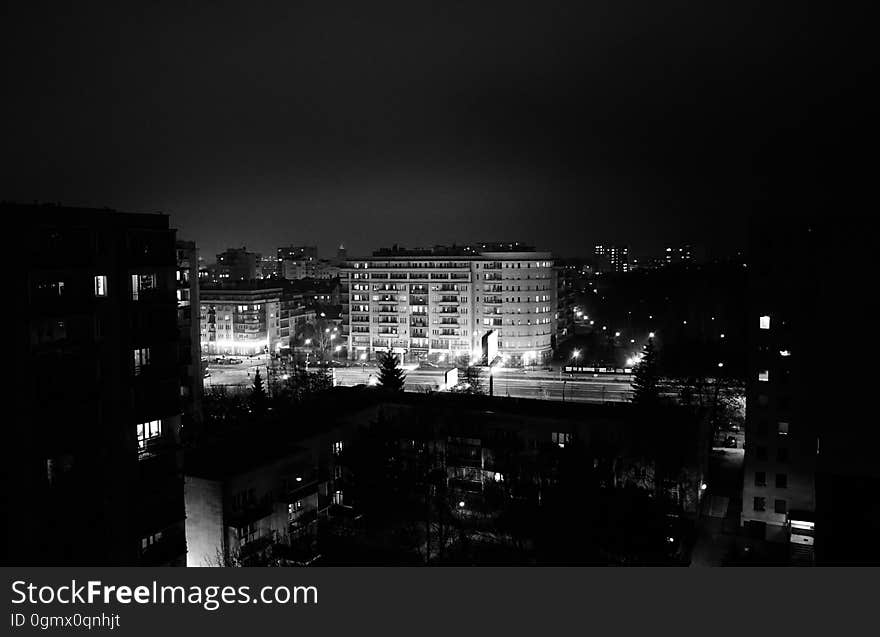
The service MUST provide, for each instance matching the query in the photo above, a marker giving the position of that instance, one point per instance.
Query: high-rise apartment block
(437, 304)
(95, 457)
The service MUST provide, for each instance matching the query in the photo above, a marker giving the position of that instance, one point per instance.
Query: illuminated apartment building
(240, 321)
(437, 304)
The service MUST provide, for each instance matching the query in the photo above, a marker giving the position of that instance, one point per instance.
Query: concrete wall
(203, 500)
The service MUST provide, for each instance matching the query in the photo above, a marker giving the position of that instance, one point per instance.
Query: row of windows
(759, 503)
(761, 480)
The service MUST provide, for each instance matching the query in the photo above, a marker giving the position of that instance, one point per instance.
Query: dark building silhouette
(237, 264)
(811, 476)
(188, 313)
(95, 464)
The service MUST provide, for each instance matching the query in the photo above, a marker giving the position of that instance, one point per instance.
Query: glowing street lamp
(650, 334)
(337, 349)
(575, 354)
(308, 341)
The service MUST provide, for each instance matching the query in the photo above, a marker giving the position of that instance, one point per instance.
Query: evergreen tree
(645, 385)
(391, 376)
(259, 399)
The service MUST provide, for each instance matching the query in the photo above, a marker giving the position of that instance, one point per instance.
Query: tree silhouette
(645, 378)
(391, 376)
(259, 399)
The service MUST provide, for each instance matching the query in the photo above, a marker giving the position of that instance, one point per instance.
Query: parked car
(730, 442)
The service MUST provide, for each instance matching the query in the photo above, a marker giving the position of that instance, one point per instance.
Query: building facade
(240, 321)
(782, 432)
(96, 477)
(237, 264)
(188, 313)
(438, 304)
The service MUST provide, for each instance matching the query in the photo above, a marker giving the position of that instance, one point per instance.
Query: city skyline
(567, 126)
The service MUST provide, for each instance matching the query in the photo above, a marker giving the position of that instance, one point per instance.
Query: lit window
(782, 428)
(337, 448)
(764, 376)
(141, 359)
(141, 283)
(784, 353)
(561, 439)
(337, 498)
(148, 431)
(101, 285)
(765, 322)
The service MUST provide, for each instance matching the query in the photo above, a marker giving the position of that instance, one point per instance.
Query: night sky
(561, 124)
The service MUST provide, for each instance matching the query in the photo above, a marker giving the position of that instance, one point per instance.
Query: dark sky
(561, 124)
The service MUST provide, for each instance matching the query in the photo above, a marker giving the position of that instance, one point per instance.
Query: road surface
(515, 383)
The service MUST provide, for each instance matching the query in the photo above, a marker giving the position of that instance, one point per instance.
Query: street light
(650, 334)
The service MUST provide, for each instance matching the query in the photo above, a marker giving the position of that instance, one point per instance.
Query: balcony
(251, 552)
(250, 513)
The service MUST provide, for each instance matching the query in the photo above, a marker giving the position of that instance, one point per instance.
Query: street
(514, 383)
(720, 514)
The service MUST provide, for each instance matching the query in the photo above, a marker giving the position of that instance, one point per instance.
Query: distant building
(244, 320)
(267, 267)
(297, 253)
(678, 255)
(612, 258)
(95, 464)
(188, 313)
(438, 303)
(296, 313)
(308, 268)
(237, 264)
(567, 275)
